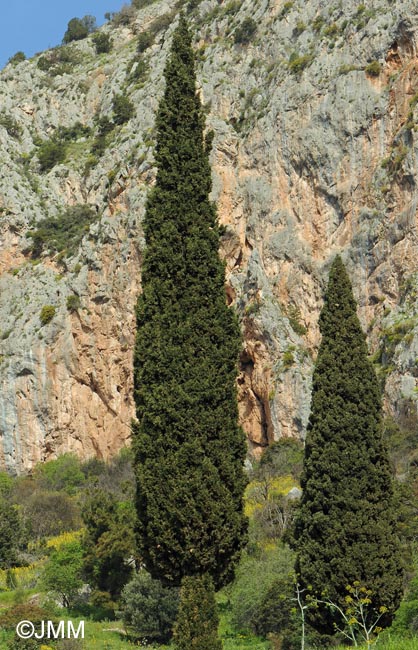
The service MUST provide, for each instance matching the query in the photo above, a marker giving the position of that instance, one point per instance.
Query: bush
(79, 28)
(138, 71)
(23, 612)
(254, 577)
(62, 234)
(47, 314)
(73, 303)
(161, 23)
(124, 17)
(51, 153)
(11, 126)
(245, 31)
(373, 69)
(62, 572)
(102, 42)
(277, 615)
(149, 609)
(145, 40)
(297, 62)
(17, 58)
(282, 458)
(61, 474)
(123, 109)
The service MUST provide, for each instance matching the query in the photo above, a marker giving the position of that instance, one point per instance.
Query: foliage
(73, 303)
(11, 126)
(373, 69)
(189, 450)
(51, 153)
(102, 42)
(124, 17)
(46, 513)
(62, 572)
(356, 620)
(256, 575)
(10, 532)
(276, 614)
(148, 608)
(197, 621)
(346, 526)
(64, 232)
(123, 109)
(281, 458)
(64, 474)
(47, 314)
(17, 58)
(298, 62)
(23, 612)
(108, 543)
(79, 28)
(145, 40)
(245, 31)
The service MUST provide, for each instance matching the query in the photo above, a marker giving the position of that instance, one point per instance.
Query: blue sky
(35, 25)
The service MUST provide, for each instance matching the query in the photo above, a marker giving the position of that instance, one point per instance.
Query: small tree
(79, 28)
(102, 42)
(109, 544)
(149, 609)
(62, 572)
(346, 525)
(123, 109)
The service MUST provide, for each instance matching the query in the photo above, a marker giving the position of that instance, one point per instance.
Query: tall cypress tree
(189, 449)
(346, 528)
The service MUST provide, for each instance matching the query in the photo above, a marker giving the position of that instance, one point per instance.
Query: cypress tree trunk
(346, 527)
(189, 449)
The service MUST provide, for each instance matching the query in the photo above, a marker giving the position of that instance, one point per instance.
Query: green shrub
(123, 109)
(47, 314)
(17, 58)
(64, 232)
(145, 40)
(288, 359)
(297, 63)
(139, 70)
(124, 17)
(79, 28)
(61, 475)
(51, 153)
(373, 69)
(161, 23)
(73, 303)
(245, 31)
(286, 8)
(23, 612)
(255, 575)
(149, 609)
(102, 43)
(282, 458)
(11, 126)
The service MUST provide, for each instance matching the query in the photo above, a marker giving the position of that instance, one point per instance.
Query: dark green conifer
(346, 528)
(188, 447)
(197, 622)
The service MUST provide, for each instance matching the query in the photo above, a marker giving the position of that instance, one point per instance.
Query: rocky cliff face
(314, 109)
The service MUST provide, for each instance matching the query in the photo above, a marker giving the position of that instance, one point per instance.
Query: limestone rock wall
(315, 152)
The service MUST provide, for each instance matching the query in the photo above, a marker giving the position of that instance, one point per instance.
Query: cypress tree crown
(346, 527)
(189, 450)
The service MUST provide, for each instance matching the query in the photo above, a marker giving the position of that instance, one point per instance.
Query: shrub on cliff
(79, 28)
